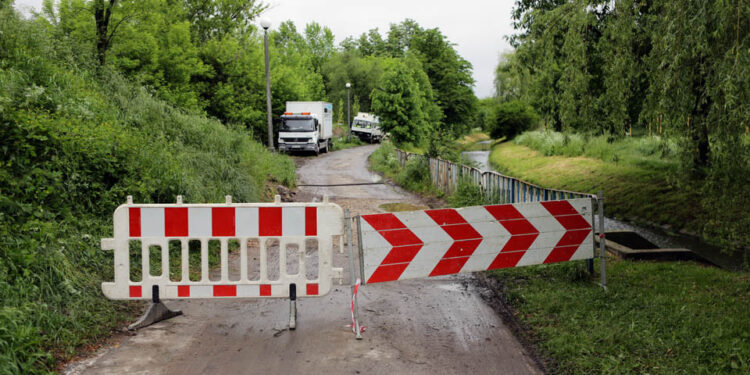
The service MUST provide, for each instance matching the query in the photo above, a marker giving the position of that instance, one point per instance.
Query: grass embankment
(670, 317)
(656, 318)
(75, 141)
(632, 176)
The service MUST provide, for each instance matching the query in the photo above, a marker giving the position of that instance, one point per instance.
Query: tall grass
(74, 141)
(656, 152)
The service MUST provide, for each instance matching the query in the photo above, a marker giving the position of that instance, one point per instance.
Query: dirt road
(435, 326)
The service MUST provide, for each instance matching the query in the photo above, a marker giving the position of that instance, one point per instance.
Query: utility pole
(348, 114)
(265, 24)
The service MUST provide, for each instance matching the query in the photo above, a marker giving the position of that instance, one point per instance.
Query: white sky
(477, 27)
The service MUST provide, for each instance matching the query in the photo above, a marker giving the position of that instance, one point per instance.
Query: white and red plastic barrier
(416, 244)
(290, 223)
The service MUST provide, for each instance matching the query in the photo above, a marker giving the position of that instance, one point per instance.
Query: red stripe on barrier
(506, 260)
(312, 289)
(311, 221)
(462, 248)
(222, 221)
(225, 290)
(134, 216)
(445, 216)
(384, 221)
(504, 212)
(269, 221)
(573, 222)
(516, 227)
(388, 272)
(401, 254)
(577, 229)
(183, 291)
(522, 235)
(401, 237)
(560, 208)
(519, 242)
(461, 232)
(176, 222)
(449, 266)
(135, 291)
(265, 290)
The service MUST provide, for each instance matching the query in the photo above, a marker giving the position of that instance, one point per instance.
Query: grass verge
(633, 192)
(657, 318)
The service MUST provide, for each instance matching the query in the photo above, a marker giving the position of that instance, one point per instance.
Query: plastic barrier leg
(156, 312)
(292, 306)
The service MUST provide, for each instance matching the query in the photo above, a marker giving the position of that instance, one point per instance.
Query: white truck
(366, 127)
(306, 126)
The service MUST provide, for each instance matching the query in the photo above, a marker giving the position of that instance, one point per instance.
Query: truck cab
(299, 132)
(367, 127)
(306, 126)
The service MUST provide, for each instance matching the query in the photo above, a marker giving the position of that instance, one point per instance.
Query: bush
(512, 118)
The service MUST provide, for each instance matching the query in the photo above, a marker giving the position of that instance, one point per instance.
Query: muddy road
(432, 326)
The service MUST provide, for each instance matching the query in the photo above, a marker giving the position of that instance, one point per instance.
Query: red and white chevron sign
(417, 244)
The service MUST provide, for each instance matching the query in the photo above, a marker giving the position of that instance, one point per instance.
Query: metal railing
(496, 187)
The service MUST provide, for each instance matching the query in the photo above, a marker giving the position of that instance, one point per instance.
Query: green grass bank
(655, 318)
(635, 188)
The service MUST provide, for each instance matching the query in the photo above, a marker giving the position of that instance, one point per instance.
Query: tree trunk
(102, 14)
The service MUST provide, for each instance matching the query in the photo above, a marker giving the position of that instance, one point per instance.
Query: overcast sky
(477, 27)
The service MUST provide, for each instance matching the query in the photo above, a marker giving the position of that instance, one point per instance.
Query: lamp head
(348, 85)
(265, 24)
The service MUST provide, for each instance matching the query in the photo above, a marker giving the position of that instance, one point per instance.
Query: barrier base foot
(292, 315)
(156, 312)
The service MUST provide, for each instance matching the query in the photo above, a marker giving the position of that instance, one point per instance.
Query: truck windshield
(298, 125)
(362, 124)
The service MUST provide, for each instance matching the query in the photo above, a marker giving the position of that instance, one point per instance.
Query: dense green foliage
(444, 77)
(208, 62)
(656, 318)
(676, 69)
(511, 118)
(75, 139)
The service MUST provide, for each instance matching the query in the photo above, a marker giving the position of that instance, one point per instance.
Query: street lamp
(348, 114)
(265, 24)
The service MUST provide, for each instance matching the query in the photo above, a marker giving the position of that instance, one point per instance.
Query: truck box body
(306, 126)
(366, 127)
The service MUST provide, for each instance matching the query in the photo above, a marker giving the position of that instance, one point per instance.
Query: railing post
(602, 245)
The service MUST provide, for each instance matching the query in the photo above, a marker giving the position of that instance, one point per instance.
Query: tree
(398, 103)
(512, 118)
(216, 18)
(450, 77)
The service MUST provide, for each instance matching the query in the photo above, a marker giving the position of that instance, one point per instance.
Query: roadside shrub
(512, 118)
(467, 194)
(415, 175)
